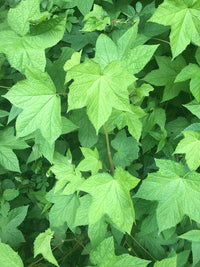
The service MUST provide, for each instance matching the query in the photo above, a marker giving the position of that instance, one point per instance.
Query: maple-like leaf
(42, 246)
(190, 145)
(184, 18)
(111, 197)
(192, 71)
(104, 256)
(127, 149)
(166, 75)
(24, 44)
(177, 193)
(99, 91)
(91, 161)
(36, 96)
(8, 142)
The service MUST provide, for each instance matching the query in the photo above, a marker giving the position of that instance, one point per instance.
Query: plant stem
(2, 86)
(62, 93)
(112, 167)
(164, 41)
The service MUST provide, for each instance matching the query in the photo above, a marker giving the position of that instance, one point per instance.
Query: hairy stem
(112, 167)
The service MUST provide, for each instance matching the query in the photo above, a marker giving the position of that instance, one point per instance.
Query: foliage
(99, 133)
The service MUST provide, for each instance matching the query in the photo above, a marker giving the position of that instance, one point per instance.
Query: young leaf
(183, 16)
(99, 91)
(104, 256)
(91, 161)
(110, 196)
(8, 257)
(190, 145)
(42, 246)
(177, 193)
(127, 149)
(41, 106)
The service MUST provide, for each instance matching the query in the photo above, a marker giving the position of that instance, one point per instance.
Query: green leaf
(193, 235)
(85, 7)
(96, 19)
(8, 142)
(63, 211)
(99, 91)
(10, 194)
(9, 223)
(183, 16)
(19, 17)
(190, 145)
(130, 118)
(127, 149)
(68, 126)
(91, 161)
(86, 131)
(166, 75)
(8, 257)
(192, 71)
(42, 246)
(193, 107)
(97, 232)
(111, 197)
(41, 106)
(65, 173)
(24, 47)
(104, 256)
(176, 191)
(166, 262)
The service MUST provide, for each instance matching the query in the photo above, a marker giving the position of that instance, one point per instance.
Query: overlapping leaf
(183, 16)
(99, 91)
(36, 96)
(177, 193)
(24, 45)
(111, 197)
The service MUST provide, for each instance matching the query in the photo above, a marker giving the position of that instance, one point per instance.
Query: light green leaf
(19, 17)
(104, 256)
(42, 246)
(193, 235)
(28, 50)
(8, 142)
(166, 75)
(136, 59)
(85, 6)
(63, 211)
(65, 173)
(166, 262)
(99, 91)
(8, 257)
(111, 197)
(127, 149)
(192, 71)
(190, 145)
(193, 107)
(97, 232)
(41, 106)
(177, 193)
(183, 16)
(3, 113)
(130, 118)
(91, 161)
(96, 19)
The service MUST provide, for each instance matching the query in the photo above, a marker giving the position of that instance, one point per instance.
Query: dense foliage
(99, 133)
